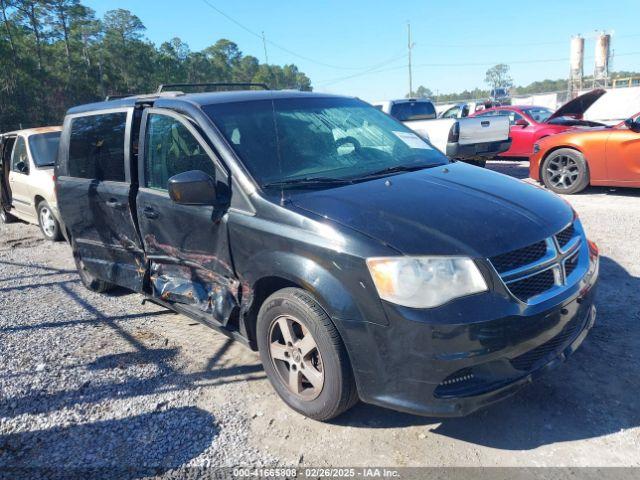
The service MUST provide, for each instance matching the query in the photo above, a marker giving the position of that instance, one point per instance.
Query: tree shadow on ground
(162, 439)
(153, 442)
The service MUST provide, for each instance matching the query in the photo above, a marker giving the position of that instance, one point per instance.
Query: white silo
(602, 57)
(576, 65)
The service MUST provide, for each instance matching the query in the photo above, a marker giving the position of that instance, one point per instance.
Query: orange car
(568, 162)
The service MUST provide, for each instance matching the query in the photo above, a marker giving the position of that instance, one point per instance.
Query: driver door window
(20, 159)
(513, 116)
(170, 149)
(451, 113)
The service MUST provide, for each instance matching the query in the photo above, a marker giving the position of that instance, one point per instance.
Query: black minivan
(355, 257)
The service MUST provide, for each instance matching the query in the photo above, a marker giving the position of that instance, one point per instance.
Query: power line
(285, 49)
(468, 64)
(511, 45)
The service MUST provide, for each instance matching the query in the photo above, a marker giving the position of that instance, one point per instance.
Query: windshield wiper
(307, 181)
(394, 169)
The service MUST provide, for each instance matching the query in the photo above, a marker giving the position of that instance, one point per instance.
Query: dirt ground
(585, 413)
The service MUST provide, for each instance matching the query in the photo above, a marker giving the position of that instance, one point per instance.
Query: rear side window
(413, 111)
(451, 113)
(170, 149)
(44, 148)
(20, 159)
(96, 147)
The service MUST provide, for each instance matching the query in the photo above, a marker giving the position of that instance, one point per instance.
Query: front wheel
(48, 222)
(303, 355)
(565, 171)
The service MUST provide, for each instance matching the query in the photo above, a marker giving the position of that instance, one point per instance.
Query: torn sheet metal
(194, 279)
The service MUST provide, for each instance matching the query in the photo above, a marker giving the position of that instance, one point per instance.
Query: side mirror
(22, 167)
(192, 188)
(632, 125)
(521, 123)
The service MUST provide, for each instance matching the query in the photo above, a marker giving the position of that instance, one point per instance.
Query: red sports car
(530, 123)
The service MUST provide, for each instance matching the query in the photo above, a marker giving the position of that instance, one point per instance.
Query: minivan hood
(575, 108)
(457, 209)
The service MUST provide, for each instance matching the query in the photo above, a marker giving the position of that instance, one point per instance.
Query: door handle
(113, 203)
(150, 213)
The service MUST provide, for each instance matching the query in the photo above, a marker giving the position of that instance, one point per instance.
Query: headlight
(425, 282)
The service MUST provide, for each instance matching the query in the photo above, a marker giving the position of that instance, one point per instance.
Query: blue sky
(455, 42)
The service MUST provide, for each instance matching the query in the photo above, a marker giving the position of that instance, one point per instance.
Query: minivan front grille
(534, 285)
(519, 258)
(565, 236)
(540, 267)
(571, 264)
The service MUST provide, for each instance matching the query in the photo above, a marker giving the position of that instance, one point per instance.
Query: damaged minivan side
(356, 258)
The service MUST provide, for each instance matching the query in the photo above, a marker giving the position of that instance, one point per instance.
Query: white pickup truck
(470, 139)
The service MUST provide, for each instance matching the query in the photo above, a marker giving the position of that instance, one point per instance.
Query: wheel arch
(306, 274)
(560, 147)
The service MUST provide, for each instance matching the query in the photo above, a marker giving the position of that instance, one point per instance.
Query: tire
(48, 222)
(565, 171)
(6, 217)
(88, 280)
(323, 358)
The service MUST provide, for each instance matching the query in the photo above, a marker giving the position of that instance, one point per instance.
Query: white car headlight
(425, 282)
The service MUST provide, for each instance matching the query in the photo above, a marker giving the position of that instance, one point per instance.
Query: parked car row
(566, 152)
(468, 139)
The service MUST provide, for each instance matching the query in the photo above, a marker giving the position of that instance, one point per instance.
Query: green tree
(421, 92)
(55, 54)
(498, 76)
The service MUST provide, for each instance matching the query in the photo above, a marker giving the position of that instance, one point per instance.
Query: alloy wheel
(563, 172)
(48, 222)
(296, 358)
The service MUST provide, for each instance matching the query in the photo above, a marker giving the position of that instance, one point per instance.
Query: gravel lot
(102, 380)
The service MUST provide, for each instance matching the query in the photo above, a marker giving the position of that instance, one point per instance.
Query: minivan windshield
(44, 148)
(318, 140)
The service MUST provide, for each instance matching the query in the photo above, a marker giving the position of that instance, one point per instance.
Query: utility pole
(264, 44)
(410, 46)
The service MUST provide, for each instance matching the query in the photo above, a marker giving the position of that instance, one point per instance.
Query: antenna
(264, 44)
(410, 46)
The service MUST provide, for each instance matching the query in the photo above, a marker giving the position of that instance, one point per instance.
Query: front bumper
(477, 150)
(427, 365)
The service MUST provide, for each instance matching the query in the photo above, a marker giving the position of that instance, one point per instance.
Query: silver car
(26, 178)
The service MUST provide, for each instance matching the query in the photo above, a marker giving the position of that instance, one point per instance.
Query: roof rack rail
(165, 86)
(118, 96)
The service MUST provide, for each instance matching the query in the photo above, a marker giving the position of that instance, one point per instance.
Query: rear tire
(48, 222)
(304, 356)
(6, 217)
(88, 280)
(565, 171)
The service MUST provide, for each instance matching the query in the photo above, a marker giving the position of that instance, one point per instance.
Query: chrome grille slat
(519, 258)
(565, 236)
(532, 271)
